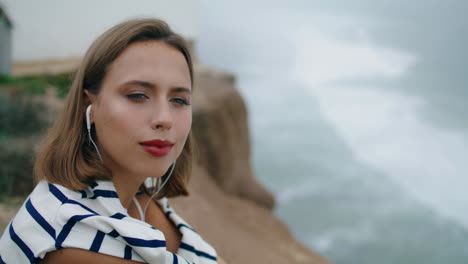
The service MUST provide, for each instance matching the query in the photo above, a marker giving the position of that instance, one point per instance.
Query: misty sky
(62, 28)
(433, 33)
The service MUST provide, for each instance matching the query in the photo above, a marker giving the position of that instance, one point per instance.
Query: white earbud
(88, 126)
(158, 189)
(88, 121)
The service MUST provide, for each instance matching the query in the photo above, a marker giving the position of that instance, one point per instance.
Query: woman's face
(144, 97)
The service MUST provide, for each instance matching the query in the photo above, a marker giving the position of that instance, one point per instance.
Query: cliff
(227, 205)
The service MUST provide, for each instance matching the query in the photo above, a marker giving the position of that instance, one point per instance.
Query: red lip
(157, 142)
(157, 147)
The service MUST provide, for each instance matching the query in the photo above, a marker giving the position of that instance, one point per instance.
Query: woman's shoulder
(41, 206)
(48, 201)
(33, 229)
(53, 217)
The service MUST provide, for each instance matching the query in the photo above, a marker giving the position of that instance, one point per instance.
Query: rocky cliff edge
(227, 205)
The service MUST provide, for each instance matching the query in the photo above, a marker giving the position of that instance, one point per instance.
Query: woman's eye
(137, 96)
(180, 101)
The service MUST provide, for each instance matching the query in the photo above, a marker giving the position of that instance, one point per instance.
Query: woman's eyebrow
(152, 86)
(181, 90)
(141, 83)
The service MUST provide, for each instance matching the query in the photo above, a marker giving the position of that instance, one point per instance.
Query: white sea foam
(321, 58)
(384, 127)
(298, 191)
(356, 234)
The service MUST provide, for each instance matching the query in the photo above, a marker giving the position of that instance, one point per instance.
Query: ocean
(358, 120)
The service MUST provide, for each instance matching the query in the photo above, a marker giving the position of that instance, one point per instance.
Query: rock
(227, 205)
(220, 127)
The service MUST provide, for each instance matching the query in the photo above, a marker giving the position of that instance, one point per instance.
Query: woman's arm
(220, 260)
(79, 256)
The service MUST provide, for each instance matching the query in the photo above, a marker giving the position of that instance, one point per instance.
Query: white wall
(48, 29)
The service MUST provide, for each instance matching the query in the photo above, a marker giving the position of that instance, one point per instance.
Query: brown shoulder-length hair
(67, 157)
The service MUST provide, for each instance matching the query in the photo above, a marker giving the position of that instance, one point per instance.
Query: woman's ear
(90, 98)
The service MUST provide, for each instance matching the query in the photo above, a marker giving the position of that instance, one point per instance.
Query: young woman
(121, 146)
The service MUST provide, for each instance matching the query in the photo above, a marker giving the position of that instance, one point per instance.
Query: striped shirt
(54, 217)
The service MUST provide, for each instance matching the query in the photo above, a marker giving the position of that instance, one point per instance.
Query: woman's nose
(162, 117)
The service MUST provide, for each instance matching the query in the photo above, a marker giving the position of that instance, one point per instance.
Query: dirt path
(8, 209)
(46, 66)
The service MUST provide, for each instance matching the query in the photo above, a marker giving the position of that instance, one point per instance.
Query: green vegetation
(15, 173)
(19, 116)
(36, 84)
(22, 120)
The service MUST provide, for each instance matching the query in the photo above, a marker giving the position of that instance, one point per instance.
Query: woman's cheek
(122, 117)
(187, 125)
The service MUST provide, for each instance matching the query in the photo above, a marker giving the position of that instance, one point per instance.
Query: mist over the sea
(358, 118)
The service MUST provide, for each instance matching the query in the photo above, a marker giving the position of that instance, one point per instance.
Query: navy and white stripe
(55, 217)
